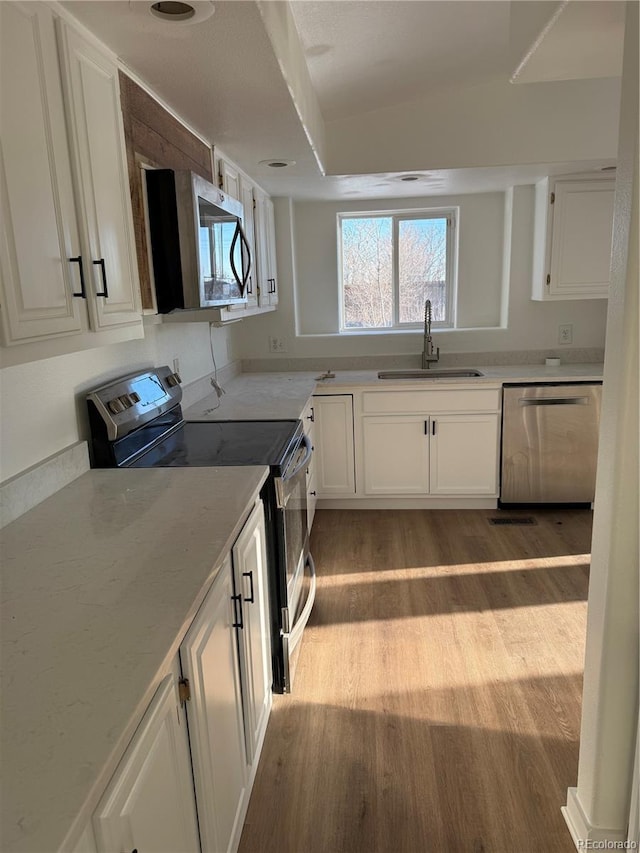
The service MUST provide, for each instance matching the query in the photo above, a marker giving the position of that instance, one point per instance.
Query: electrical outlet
(176, 365)
(565, 333)
(277, 344)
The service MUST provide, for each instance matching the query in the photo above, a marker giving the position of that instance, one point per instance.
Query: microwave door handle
(245, 246)
(239, 282)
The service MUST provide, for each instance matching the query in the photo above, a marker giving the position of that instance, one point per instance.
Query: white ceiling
(223, 77)
(365, 55)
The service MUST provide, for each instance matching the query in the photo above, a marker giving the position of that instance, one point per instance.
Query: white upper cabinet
(41, 285)
(266, 249)
(67, 236)
(259, 227)
(572, 238)
(248, 203)
(102, 186)
(229, 179)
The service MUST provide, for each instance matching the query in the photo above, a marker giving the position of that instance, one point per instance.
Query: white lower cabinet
(149, 805)
(185, 779)
(428, 443)
(396, 453)
(464, 455)
(308, 421)
(251, 585)
(335, 458)
(209, 658)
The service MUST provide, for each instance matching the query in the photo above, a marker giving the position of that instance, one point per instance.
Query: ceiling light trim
(183, 14)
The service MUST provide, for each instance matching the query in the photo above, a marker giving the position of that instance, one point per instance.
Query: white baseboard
(407, 503)
(582, 831)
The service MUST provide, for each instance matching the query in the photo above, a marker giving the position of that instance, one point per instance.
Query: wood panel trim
(154, 137)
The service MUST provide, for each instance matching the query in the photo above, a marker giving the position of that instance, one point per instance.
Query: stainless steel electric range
(137, 422)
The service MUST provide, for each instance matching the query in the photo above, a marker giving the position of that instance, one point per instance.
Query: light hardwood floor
(436, 706)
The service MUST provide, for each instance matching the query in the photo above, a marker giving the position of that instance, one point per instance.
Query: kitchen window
(390, 263)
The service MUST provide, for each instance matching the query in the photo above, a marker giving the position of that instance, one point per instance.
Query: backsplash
(587, 355)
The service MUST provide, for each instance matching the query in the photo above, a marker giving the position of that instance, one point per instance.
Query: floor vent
(525, 519)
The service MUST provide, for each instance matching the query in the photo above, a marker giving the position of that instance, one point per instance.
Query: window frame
(451, 214)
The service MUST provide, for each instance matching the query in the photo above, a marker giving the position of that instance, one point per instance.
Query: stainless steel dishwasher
(550, 443)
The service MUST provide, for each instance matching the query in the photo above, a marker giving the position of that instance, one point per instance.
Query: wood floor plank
(436, 706)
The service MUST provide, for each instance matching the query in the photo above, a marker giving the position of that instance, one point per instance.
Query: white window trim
(452, 215)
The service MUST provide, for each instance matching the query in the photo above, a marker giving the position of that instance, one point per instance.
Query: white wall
(490, 124)
(43, 408)
(307, 271)
(479, 261)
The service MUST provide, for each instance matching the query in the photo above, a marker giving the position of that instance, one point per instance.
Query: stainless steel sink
(437, 373)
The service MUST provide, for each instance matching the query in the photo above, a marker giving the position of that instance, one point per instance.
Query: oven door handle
(295, 634)
(289, 475)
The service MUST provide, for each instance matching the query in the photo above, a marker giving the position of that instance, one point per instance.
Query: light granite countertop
(280, 396)
(99, 585)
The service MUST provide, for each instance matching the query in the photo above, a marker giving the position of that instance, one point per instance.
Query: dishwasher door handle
(554, 401)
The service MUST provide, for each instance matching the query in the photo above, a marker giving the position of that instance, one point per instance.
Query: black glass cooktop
(222, 443)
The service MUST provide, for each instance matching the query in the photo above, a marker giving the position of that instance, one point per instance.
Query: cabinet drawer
(431, 401)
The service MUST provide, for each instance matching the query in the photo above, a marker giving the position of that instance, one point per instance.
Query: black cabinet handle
(237, 599)
(105, 292)
(426, 427)
(311, 417)
(251, 598)
(83, 290)
(313, 493)
(433, 427)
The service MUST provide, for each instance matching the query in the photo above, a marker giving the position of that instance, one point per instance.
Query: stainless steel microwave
(201, 258)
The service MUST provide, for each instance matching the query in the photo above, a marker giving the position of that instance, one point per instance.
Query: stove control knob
(173, 379)
(135, 398)
(115, 406)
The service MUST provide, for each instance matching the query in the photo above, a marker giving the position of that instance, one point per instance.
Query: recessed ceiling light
(411, 178)
(277, 163)
(182, 13)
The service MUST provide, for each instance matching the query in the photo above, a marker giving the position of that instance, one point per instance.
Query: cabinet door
(308, 421)
(266, 249)
(250, 581)
(335, 470)
(271, 253)
(246, 193)
(209, 658)
(581, 239)
(464, 455)
(229, 178)
(396, 455)
(101, 178)
(149, 804)
(39, 230)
